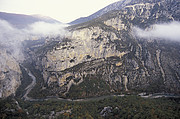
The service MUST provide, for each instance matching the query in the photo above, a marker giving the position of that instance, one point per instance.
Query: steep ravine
(30, 86)
(159, 63)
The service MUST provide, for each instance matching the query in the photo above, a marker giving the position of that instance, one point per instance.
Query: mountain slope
(103, 57)
(21, 21)
(115, 6)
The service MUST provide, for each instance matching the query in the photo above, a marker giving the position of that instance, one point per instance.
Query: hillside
(114, 6)
(104, 57)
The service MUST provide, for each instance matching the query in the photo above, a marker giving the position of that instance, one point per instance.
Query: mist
(166, 31)
(11, 38)
(44, 29)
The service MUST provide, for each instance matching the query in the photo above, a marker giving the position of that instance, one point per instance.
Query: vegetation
(128, 107)
(10, 110)
(36, 92)
(92, 86)
(25, 81)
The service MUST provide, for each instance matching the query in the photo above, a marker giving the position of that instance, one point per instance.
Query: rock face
(104, 56)
(88, 44)
(9, 74)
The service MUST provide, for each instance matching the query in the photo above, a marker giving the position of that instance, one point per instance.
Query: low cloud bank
(11, 38)
(44, 29)
(166, 31)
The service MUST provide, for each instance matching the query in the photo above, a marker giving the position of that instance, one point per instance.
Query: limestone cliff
(9, 74)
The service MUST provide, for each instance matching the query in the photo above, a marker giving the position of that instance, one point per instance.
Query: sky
(63, 10)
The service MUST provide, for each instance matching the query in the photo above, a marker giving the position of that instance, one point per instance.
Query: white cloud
(43, 28)
(167, 31)
(11, 38)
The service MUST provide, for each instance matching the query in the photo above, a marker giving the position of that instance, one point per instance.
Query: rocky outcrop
(86, 45)
(10, 74)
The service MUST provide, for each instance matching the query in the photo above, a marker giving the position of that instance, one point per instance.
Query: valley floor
(126, 107)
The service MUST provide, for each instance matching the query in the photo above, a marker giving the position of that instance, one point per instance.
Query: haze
(63, 10)
(11, 38)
